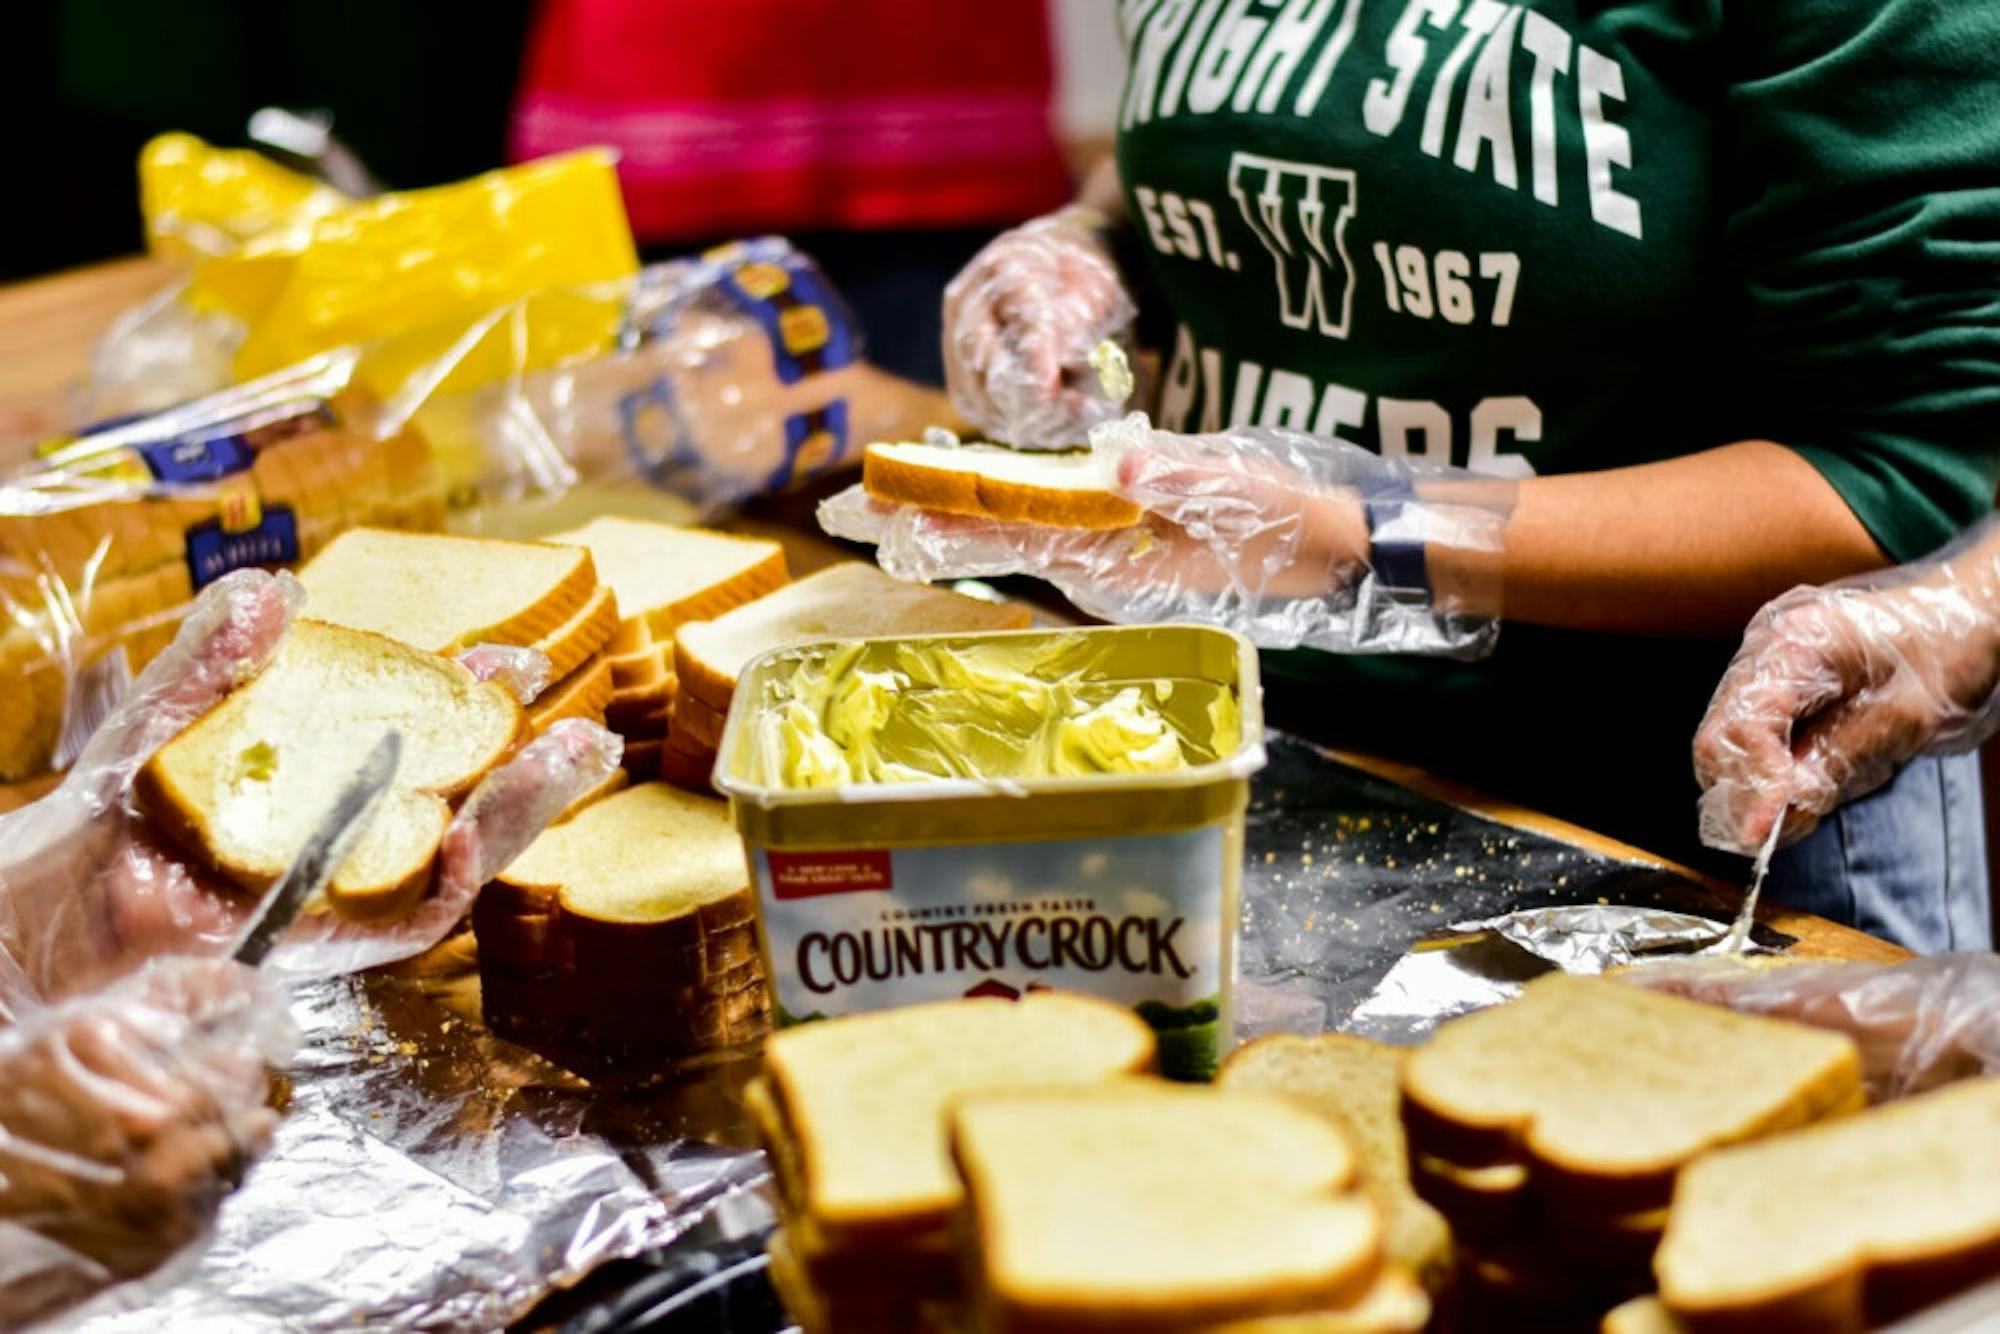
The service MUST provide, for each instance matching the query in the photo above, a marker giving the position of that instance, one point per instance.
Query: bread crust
(584, 693)
(900, 481)
(703, 724)
(584, 634)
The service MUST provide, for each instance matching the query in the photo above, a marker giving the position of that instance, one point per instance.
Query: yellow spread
(1114, 372)
(257, 764)
(1004, 709)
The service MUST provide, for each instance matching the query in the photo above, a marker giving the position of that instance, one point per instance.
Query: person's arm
(1103, 191)
(1688, 546)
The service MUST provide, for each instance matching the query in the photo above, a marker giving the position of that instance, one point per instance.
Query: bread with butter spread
(243, 786)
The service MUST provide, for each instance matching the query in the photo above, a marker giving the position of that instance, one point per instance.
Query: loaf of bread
(853, 1112)
(102, 550)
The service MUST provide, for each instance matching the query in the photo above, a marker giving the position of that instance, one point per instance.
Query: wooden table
(47, 327)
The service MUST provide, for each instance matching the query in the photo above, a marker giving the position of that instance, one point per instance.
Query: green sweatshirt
(1569, 235)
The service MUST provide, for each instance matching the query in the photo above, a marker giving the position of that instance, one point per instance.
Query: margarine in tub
(990, 814)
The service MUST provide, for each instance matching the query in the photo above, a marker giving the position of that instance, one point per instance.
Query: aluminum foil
(1372, 909)
(428, 1176)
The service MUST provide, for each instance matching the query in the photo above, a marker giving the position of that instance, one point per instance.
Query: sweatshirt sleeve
(1864, 222)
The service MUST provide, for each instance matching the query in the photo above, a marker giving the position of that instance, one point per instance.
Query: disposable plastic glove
(88, 890)
(1919, 1024)
(125, 1117)
(1262, 530)
(1020, 323)
(1836, 688)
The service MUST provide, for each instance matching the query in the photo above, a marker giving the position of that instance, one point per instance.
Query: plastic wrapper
(730, 375)
(88, 890)
(1257, 529)
(107, 537)
(305, 269)
(1021, 323)
(1920, 1024)
(1835, 688)
(125, 1117)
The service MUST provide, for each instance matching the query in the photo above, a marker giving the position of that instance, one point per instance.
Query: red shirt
(757, 115)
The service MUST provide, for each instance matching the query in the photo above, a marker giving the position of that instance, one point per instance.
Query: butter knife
(324, 852)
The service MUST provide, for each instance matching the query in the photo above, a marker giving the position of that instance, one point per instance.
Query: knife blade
(1737, 941)
(324, 851)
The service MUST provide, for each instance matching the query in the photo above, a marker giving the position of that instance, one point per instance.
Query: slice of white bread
(1604, 1090)
(665, 575)
(447, 593)
(1146, 1205)
(245, 785)
(1355, 1084)
(846, 601)
(864, 1097)
(988, 481)
(645, 901)
(1841, 1225)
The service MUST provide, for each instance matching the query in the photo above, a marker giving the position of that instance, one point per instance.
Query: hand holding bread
(90, 887)
(1266, 531)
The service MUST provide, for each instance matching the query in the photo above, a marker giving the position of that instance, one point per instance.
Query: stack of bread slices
(447, 594)
(623, 939)
(1004, 1165)
(1549, 1131)
(665, 577)
(847, 601)
(1845, 1224)
(1356, 1085)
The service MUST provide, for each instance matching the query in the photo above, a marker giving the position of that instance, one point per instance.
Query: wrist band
(1398, 560)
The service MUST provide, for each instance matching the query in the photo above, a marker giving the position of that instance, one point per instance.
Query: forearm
(1102, 190)
(1689, 546)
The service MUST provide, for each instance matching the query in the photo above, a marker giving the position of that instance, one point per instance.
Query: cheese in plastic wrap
(107, 538)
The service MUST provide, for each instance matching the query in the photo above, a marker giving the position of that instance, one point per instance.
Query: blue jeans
(1907, 863)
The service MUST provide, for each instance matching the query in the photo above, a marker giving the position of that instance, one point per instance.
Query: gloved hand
(88, 891)
(125, 1117)
(1835, 688)
(1020, 323)
(1262, 530)
(1919, 1024)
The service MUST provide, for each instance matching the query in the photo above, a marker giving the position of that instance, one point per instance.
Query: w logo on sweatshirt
(1300, 212)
